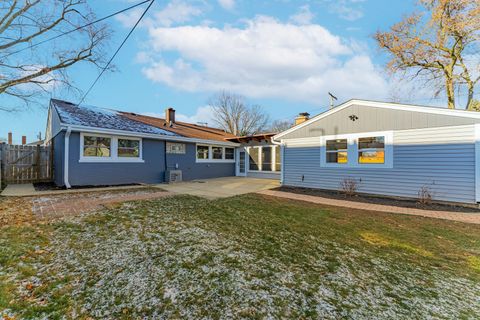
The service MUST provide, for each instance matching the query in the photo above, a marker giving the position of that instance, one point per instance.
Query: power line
(115, 54)
(76, 29)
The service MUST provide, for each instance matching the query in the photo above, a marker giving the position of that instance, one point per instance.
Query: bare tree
(280, 125)
(233, 115)
(439, 45)
(26, 71)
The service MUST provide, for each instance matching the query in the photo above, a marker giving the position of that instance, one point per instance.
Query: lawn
(244, 257)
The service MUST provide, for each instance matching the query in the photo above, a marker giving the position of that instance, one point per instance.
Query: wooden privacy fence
(25, 164)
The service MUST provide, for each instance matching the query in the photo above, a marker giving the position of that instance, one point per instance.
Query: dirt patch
(50, 186)
(405, 203)
(59, 206)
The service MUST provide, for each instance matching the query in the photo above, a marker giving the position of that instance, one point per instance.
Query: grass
(243, 257)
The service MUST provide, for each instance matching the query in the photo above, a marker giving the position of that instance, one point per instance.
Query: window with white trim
(176, 148)
(337, 151)
(358, 150)
(229, 153)
(217, 153)
(94, 146)
(106, 148)
(371, 150)
(202, 152)
(128, 148)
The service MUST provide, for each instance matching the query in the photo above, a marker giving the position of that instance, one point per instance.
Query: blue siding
(151, 171)
(419, 159)
(58, 143)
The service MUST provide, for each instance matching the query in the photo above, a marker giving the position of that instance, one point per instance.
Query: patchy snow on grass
(160, 261)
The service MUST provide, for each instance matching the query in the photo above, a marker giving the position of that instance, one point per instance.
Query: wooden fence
(25, 164)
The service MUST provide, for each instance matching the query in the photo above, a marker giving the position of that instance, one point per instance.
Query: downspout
(65, 161)
(282, 154)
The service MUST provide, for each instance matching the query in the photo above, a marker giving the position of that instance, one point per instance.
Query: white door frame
(237, 162)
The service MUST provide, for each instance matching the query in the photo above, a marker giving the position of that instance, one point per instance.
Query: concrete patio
(221, 187)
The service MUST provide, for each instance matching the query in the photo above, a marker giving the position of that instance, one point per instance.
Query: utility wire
(76, 29)
(115, 54)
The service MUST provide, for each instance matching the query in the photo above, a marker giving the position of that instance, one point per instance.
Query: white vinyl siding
(441, 158)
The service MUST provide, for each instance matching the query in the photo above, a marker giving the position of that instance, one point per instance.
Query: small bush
(425, 195)
(349, 186)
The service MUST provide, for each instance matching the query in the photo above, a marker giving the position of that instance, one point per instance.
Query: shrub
(425, 195)
(349, 186)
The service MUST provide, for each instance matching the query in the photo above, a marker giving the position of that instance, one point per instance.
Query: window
(337, 151)
(253, 157)
(202, 152)
(96, 146)
(217, 153)
(371, 150)
(229, 154)
(278, 159)
(128, 148)
(266, 159)
(176, 148)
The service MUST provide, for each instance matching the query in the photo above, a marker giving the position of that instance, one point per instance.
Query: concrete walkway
(473, 217)
(220, 187)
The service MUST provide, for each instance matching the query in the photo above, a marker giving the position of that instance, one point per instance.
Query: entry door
(241, 163)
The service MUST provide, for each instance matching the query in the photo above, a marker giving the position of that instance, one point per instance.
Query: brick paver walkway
(473, 217)
(64, 205)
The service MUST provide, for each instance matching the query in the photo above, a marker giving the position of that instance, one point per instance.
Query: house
(98, 146)
(386, 149)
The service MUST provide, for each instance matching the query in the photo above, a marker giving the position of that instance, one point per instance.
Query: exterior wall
(264, 175)
(375, 119)
(152, 170)
(441, 158)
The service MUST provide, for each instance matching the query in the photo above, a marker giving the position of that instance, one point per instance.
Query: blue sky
(284, 55)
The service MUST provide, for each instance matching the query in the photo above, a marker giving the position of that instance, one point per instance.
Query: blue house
(386, 149)
(97, 146)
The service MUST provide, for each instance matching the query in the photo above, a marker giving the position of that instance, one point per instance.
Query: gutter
(148, 135)
(65, 161)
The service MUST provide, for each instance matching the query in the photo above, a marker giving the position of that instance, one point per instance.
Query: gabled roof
(95, 117)
(385, 105)
(184, 129)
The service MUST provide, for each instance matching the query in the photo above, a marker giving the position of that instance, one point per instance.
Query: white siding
(441, 158)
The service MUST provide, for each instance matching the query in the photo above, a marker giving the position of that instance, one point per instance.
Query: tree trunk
(450, 91)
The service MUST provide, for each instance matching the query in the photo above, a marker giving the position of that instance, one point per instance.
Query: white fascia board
(147, 135)
(384, 105)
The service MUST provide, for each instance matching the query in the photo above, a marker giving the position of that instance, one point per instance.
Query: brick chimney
(10, 138)
(170, 115)
(24, 140)
(302, 117)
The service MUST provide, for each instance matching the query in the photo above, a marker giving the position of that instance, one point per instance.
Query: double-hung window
(337, 151)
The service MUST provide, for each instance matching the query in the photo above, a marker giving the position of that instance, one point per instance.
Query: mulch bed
(389, 201)
(49, 186)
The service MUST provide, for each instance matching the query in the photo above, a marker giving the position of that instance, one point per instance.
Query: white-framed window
(106, 148)
(176, 148)
(212, 153)
(358, 150)
(264, 158)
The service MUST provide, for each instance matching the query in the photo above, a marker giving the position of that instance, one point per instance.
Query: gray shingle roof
(90, 116)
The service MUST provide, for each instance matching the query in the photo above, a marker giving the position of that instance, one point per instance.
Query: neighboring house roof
(183, 128)
(89, 116)
(384, 105)
(253, 137)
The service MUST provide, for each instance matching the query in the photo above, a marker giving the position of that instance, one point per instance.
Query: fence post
(37, 162)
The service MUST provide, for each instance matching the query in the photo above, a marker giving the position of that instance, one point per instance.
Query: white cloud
(303, 16)
(175, 12)
(202, 115)
(347, 9)
(264, 58)
(227, 4)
